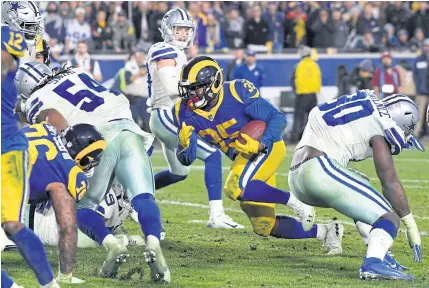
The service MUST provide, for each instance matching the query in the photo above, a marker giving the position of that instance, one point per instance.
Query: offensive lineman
(70, 97)
(353, 128)
(165, 60)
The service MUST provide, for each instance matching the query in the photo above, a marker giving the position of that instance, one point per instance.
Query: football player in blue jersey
(216, 111)
(58, 178)
(17, 158)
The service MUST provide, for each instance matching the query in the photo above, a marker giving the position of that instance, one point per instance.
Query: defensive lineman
(165, 62)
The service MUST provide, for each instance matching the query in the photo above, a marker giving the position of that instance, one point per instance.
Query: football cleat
(223, 221)
(392, 263)
(159, 271)
(136, 240)
(379, 270)
(305, 213)
(52, 284)
(117, 254)
(333, 238)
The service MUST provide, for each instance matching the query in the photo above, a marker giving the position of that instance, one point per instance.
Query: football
(255, 129)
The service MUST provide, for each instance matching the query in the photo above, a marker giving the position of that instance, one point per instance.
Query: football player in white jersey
(71, 96)
(353, 128)
(165, 61)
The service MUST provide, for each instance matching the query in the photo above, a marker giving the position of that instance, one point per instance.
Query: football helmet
(85, 145)
(403, 111)
(200, 82)
(29, 76)
(171, 21)
(24, 16)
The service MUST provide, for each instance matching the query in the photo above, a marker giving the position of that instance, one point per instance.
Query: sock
(259, 191)
(289, 228)
(34, 253)
(148, 214)
(364, 230)
(322, 229)
(92, 224)
(6, 281)
(213, 176)
(380, 239)
(216, 208)
(165, 178)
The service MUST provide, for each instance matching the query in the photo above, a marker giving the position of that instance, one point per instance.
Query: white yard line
(318, 219)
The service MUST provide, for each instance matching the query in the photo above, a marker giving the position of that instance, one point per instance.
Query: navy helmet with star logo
(403, 111)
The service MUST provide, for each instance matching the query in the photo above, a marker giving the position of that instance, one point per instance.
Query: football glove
(413, 236)
(250, 147)
(414, 143)
(185, 134)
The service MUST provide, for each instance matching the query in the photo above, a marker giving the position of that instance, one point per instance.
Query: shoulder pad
(12, 41)
(162, 50)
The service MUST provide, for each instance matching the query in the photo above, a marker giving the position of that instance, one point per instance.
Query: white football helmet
(177, 18)
(403, 111)
(24, 16)
(29, 76)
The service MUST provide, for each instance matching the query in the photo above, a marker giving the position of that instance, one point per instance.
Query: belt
(294, 167)
(118, 119)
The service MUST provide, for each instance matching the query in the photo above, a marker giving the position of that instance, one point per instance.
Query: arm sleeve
(169, 80)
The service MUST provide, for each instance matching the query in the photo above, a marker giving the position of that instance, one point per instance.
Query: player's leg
(92, 223)
(15, 172)
(7, 282)
(323, 182)
(134, 162)
(162, 126)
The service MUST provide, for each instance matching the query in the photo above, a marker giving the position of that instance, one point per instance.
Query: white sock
(293, 202)
(363, 230)
(49, 285)
(216, 207)
(109, 240)
(322, 229)
(378, 243)
(151, 241)
(14, 285)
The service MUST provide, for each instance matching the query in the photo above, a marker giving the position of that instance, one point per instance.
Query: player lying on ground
(217, 111)
(71, 97)
(165, 60)
(353, 128)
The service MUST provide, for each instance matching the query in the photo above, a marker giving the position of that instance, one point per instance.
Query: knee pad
(261, 215)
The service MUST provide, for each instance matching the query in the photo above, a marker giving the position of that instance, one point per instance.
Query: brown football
(255, 129)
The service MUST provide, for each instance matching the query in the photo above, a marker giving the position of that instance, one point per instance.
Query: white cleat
(223, 221)
(117, 254)
(52, 284)
(159, 271)
(334, 237)
(306, 215)
(136, 240)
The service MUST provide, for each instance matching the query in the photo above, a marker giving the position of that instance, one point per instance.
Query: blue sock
(148, 214)
(6, 281)
(164, 178)
(34, 253)
(259, 191)
(92, 224)
(213, 176)
(386, 225)
(289, 228)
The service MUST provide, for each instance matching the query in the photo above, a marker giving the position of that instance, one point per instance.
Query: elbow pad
(169, 80)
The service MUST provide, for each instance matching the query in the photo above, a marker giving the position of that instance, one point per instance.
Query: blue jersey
(239, 102)
(53, 164)
(12, 138)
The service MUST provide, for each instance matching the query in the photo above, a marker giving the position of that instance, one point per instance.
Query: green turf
(201, 257)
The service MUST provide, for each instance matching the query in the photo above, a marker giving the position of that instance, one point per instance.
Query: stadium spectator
(239, 58)
(257, 32)
(249, 70)
(421, 79)
(101, 32)
(234, 29)
(155, 21)
(124, 38)
(179, 4)
(416, 43)
(407, 86)
(306, 82)
(84, 61)
(66, 13)
(362, 75)
(386, 79)
(403, 44)
(56, 51)
(215, 39)
(77, 30)
(323, 30)
(343, 81)
(313, 14)
(217, 11)
(90, 13)
(54, 24)
(420, 19)
(367, 21)
(397, 15)
(295, 32)
(341, 30)
(392, 41)
(200, 19)
(141, 25)
(276, 22)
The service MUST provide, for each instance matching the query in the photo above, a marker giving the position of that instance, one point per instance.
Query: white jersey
(161, 50)
(343, 127)
(80, 99)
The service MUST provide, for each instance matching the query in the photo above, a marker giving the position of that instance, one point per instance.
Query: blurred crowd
(119, 26)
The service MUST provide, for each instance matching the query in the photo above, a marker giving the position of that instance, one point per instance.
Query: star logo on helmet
(14, 6)
(411, 127)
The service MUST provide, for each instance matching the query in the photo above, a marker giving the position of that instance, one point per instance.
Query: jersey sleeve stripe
(165, 56)
(162, 51)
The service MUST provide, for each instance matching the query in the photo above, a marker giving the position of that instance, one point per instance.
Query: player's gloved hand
(250, 147)
(185, 134)
(68, 279)
(413, 236)
(415, 143)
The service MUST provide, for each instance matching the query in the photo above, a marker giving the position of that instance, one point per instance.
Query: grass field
(202, 257)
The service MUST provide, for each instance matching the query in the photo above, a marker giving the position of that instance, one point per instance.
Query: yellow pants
(15, 173)
(263, 168)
